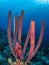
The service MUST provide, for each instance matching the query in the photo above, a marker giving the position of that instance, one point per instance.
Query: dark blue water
(32, 11)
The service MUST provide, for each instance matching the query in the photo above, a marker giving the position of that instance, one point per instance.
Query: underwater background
(36, 10)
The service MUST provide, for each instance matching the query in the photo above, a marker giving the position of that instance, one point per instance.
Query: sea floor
(41, 57)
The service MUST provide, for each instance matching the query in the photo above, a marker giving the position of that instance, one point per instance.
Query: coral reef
(41, 57)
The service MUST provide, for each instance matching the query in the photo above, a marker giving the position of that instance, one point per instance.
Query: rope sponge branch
(9, 34)
(39, 42)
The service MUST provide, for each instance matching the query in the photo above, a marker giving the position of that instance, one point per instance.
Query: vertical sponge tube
(19, 29)
(39, 42)
(20, 26)
(9, 34)
(32, 40)
(40, 39)
(26, 42)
